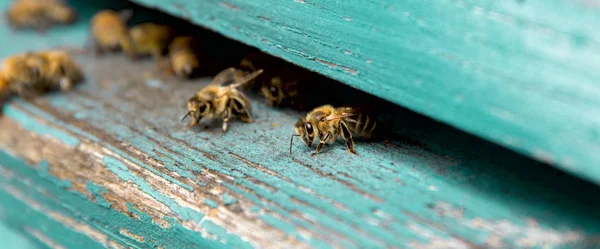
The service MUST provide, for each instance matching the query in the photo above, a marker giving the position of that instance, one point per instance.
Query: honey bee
(183, 57)
(39, 14)
(24, 73)
(30, 73)
(282, 84)
(4, 86)
(109, 32)
(221, 98)
(61, 70)
(329, 123)
(287, 88)
(150, 39)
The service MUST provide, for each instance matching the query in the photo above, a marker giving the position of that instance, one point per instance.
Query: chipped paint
(120, 169)
(126, 232)
(228, 199)
(156, 175)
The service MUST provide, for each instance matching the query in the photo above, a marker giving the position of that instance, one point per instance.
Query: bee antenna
(291, 141)
(186, 115)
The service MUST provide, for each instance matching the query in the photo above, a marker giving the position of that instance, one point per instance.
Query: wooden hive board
(111, 165)
(523, 74)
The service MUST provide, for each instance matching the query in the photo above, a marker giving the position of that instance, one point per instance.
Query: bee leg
(226, 114)
(347, 136)
(321, 143)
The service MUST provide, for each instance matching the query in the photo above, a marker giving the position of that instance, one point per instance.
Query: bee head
(307, 131)
(185, 65)
(64, 71)
(272, 91)
(197, 109)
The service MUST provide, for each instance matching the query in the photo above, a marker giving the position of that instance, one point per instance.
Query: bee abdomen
(364, 125)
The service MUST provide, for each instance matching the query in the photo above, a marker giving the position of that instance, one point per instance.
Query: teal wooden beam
(111, 165)
(523, 74)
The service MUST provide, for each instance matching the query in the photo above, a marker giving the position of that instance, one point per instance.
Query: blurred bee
(30, 73)
(221, 98)
(61, 70)
(150, 39)
(183, 57)
(39, 14)
(287, 88)
(4, 86)
(282, 84)
(329, 123)
(109, 32)
(24, 73)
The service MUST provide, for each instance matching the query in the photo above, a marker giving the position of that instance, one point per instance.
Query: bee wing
(225, 77)
(242, 81)
(340, 115)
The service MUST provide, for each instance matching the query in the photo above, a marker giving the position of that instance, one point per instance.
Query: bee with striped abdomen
(221, 98)
(328, 123)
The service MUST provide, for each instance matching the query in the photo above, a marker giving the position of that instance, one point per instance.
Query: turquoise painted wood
(12, 239)
(523, 74)
(110, 165)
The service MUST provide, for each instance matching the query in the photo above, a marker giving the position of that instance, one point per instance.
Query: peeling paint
(228, 199)
(121, 170)
(126, 232)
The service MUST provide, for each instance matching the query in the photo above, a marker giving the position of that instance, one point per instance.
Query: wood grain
(118, 145)
(523, 74)
(110, 165)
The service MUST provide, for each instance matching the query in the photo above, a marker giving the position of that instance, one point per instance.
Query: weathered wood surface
(524, 74)
(111, 165)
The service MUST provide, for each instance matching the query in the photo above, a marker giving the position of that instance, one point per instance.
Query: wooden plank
(523, 74)
(111, 165)
(108, 164)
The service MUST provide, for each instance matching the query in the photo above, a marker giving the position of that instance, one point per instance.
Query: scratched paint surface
(523, 74)
(110, 166)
